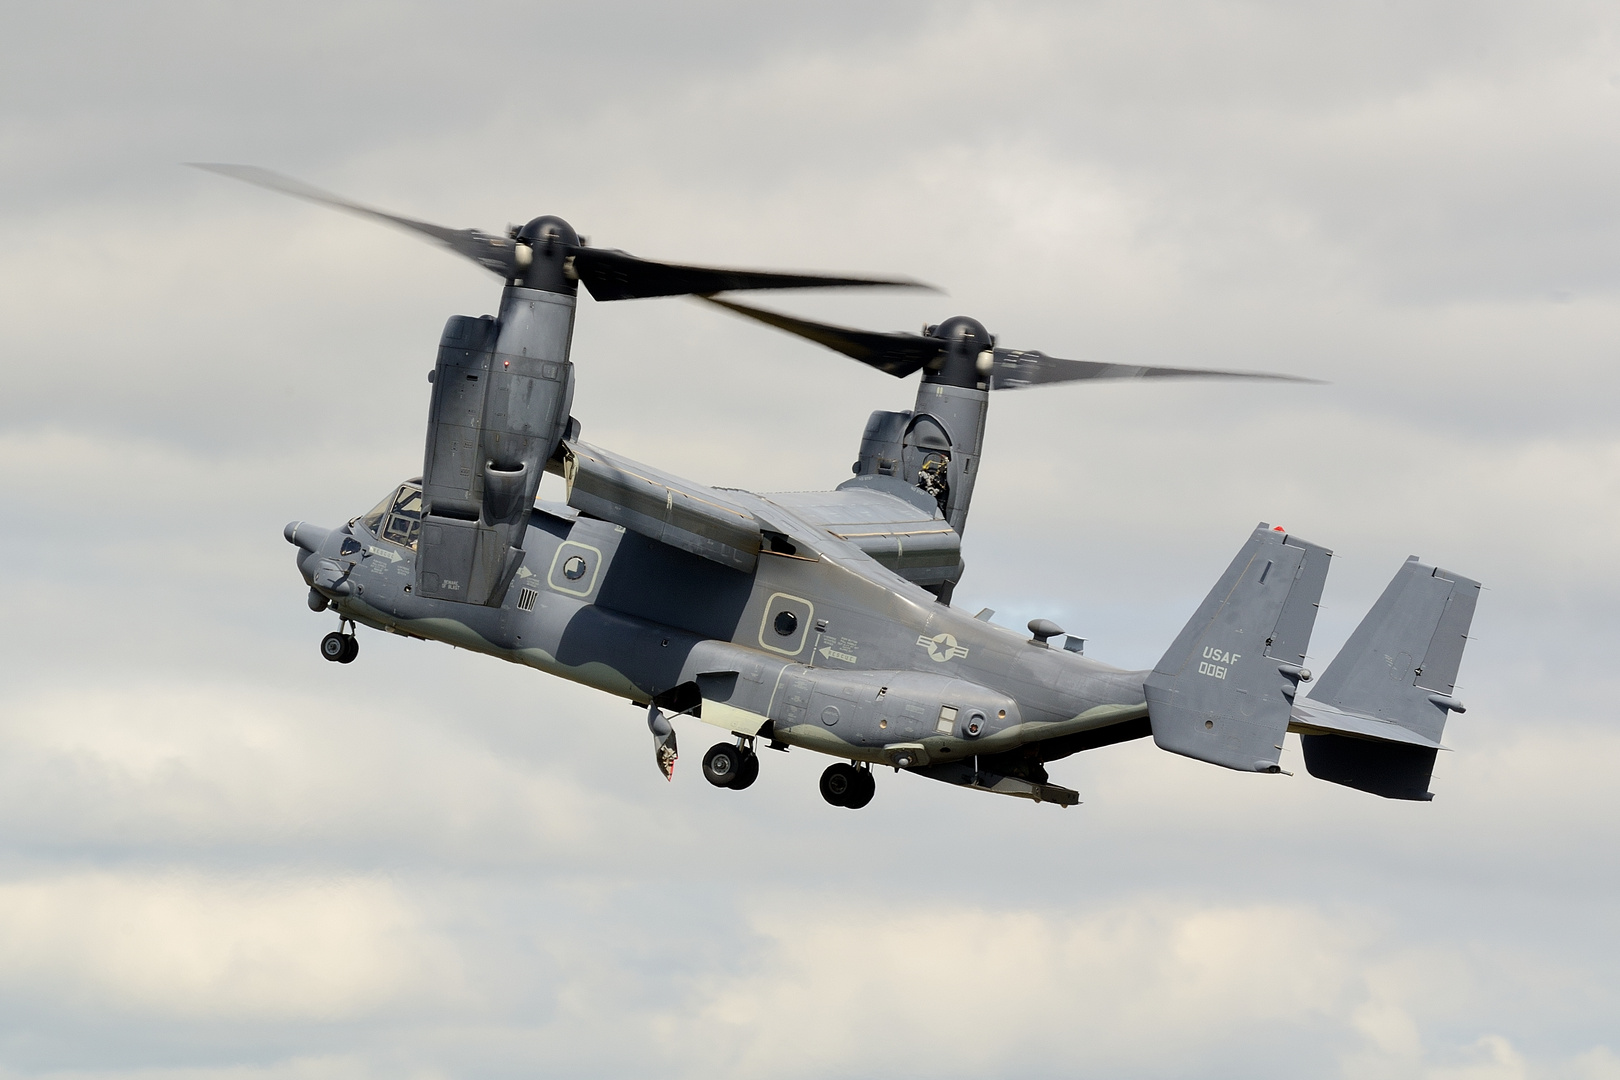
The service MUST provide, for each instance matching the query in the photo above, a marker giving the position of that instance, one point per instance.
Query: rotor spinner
(544, 255)
(966, 358)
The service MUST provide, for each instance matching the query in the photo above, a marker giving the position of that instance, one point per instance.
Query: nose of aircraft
(302, 534)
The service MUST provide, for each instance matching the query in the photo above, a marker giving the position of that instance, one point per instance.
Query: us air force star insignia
(941, 647)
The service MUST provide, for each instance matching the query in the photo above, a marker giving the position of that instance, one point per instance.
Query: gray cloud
(220, 856)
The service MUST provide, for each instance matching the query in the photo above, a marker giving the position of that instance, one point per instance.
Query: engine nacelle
(502, 391)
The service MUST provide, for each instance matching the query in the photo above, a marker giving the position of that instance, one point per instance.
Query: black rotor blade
(614, 275)
(899, 354)
(494, 253)
(1013, 369)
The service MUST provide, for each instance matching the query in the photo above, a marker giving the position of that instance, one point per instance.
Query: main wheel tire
(748, 773)
(332, 647)
(722, 765)
(839, 782)
(865, 788)
(351, 649)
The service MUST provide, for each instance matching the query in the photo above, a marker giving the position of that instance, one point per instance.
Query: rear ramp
(1224, 691)
(1374, 720)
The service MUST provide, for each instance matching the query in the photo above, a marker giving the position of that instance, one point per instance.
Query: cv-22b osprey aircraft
(823, 620)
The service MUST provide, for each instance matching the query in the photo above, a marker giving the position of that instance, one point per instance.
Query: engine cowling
(502, 391)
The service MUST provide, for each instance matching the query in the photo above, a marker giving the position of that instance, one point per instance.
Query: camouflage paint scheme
(644, 619)
(822, 620)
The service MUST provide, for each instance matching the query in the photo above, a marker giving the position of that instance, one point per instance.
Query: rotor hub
(548, 233)
(544, 249)
(965, 339)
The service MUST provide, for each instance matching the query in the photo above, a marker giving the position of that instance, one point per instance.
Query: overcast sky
(223, 857)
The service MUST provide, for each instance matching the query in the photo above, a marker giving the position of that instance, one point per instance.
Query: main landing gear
(848, 785)
(340, 648)
(731, 766)
(736, 766)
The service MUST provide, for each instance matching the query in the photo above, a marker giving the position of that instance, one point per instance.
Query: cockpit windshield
(398, 518)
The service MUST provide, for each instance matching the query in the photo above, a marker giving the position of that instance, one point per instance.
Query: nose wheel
(847, 785)
(728, 766)
(340, 648)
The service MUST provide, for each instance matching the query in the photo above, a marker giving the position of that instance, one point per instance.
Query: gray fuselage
(615, 610)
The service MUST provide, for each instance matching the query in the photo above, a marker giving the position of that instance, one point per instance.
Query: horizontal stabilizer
(1374, 720)
(1224, 690)
(1314, 718)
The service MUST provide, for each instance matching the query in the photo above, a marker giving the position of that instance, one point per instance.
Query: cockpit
(398, 518)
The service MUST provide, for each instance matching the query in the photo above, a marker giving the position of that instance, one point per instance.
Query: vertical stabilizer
(1224, 690)
(1374, 720)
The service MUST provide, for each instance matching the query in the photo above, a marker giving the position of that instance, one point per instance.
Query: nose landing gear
(729, 766)
(844, 784)
(340, 648)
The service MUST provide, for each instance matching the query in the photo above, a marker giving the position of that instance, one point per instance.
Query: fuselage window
(404, 520)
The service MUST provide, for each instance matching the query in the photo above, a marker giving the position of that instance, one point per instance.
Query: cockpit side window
(373, 519)
(404, 520)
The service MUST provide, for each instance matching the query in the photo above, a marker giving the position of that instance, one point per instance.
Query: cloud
(186, 946)
(193, 767)
(975, 990)
(1147, 988)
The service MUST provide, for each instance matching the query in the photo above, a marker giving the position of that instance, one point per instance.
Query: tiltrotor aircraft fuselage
(822, 620)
